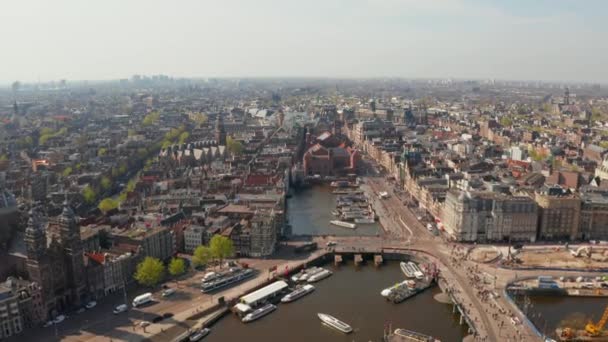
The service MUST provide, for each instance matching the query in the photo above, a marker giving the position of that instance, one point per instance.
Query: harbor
(335, 295)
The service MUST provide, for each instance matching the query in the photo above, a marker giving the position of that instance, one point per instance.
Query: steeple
(220, 133)
(35, 235)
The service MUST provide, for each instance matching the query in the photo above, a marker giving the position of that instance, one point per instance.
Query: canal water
(551, 312)
(309, 211)
(352, 294)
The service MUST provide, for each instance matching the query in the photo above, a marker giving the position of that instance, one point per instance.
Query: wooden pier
(337, 259)
(358, 259)
(378, 260)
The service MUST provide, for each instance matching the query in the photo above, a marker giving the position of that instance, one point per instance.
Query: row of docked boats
(411, 270)
(353, 208)
(216, 282)
(311, 275)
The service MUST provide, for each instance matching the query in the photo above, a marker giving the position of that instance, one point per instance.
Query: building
(602, 170)
(594, 214)
(560, 211)
(11, 317)
(55, 260)
(263, 233)
(195, 236)
(483, 216)
(156, 242)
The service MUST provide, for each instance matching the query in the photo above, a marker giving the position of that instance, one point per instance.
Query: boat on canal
(259, 313)
(319, 276)
(409, 335)
(417, 272)
(404, 284)
(298, 293)
(335, 323)
(343, 224)
(407, 269)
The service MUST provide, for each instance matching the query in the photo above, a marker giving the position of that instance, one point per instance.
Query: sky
(556, 40)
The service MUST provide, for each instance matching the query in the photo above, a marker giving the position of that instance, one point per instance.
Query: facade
(263, 233)
(194, 236)
(602, 170)
(11, 317)
(594, 214)
(559, 214)
(470, 216)
(57, 265)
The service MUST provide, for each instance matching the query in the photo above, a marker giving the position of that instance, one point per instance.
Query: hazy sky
(104, 39)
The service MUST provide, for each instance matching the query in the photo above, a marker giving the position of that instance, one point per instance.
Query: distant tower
(69, 233)
(37, 263)
(567, 96)
(15, 108)
(220, 133)
(281, 118)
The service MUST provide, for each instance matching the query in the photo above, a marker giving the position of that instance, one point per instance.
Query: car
(331, 243)
(59, 319)
(157, 319)
(81, 310)
(167, 315)
(91, 304)
(120, 308)
(48, 324)
(168, 292)
(144, 324)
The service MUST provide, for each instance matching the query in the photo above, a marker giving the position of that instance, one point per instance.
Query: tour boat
(259, 313)
(407, 269)
(417, 273)
(298, 293)
(335, 323)
(319, 276)
(343, 224)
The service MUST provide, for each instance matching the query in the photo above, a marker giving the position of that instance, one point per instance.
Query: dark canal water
(309, 212)
(551, 312)
(352, 294)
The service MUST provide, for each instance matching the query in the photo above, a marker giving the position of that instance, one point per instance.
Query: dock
(378, 259)
(358, 259)
(337, 259)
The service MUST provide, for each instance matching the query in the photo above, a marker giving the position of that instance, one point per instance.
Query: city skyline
(436, 39)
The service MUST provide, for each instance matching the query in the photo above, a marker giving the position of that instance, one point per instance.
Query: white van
(142, 299)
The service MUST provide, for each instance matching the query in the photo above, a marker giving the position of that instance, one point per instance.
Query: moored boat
(335, 323)
(343, 224)
(298, 293)
(406, 269)
(417, 273)
(319, 276)
(259, 313)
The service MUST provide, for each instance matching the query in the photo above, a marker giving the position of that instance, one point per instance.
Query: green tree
(102, 151)
(506, 121)
(221, 247)
(183, 137)
(67, 171)
(150, 272)
(107, 204)
(199, 118)
(177, 267)
(151, 118)
(202, 255)
(106, 183)
(89, 194)
(234, 146)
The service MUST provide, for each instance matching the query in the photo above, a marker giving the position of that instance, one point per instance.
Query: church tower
(69, 233)
(220, 133)
(37, 264)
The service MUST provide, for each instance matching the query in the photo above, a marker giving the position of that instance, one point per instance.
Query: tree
(506, 121)
(202, 255)
(221, 247)
(151, 118)
(150, 272)
(105, 182)
(177, 267)
(102, 151)
(107, 204)
(89, 194)
(234, 146)
(183, 137)
(67, 171)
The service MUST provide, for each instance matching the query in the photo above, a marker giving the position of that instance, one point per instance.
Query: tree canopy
(177, 267)
(89, 194)
(150, 272)
(221, 247)
(202, 255)
(108, 204)
(234, 146)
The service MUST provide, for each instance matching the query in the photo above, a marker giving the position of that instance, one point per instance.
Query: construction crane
(597, 329)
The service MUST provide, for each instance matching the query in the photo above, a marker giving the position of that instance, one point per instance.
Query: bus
(142, 299)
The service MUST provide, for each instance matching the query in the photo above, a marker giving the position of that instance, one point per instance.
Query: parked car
(120, 308)
(48, 324)
(157, 319)
(91, 304)
(167, 315)
(81, 310)
(168, 292)
(331, 243)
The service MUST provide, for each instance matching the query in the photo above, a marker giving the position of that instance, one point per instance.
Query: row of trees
(151, 271)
